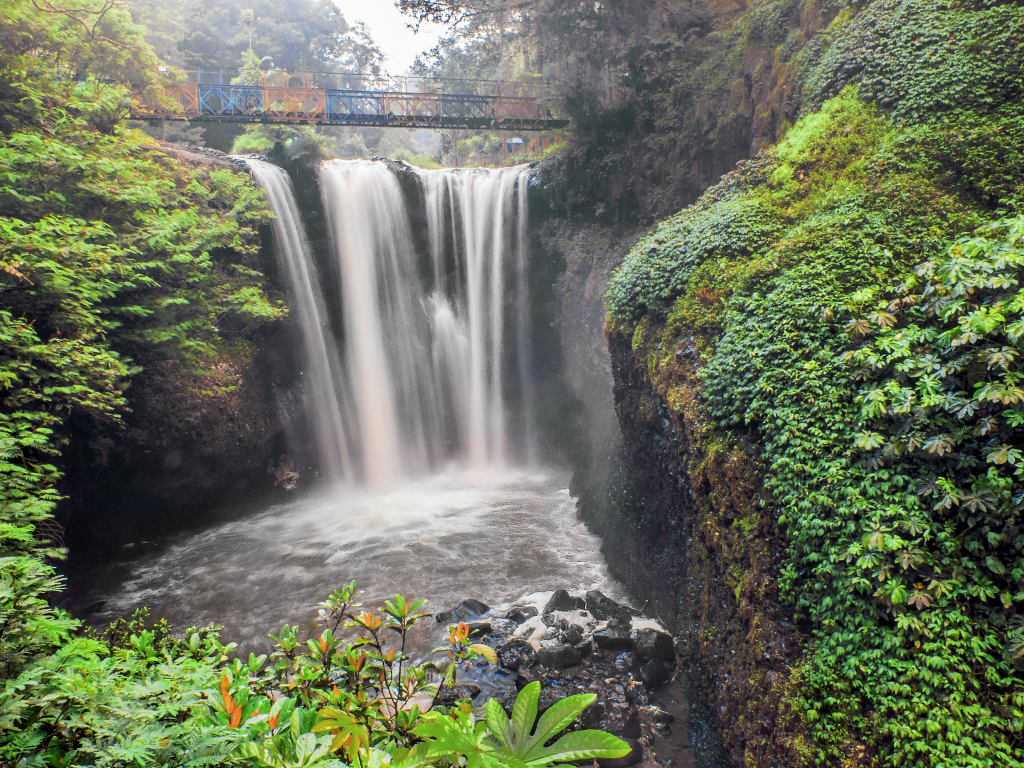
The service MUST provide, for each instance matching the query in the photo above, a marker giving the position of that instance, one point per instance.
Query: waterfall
(434, 345)
(322, 369)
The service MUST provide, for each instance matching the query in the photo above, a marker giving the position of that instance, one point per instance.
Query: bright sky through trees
(389, 30)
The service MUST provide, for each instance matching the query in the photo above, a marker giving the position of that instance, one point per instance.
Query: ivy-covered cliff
(818, 377)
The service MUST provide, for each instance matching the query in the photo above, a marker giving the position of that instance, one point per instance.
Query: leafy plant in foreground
(501, 741)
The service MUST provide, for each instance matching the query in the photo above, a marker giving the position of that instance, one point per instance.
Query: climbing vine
(869, 339)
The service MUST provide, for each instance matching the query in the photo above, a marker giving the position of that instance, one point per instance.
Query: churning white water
(423, 414)
(491, 535)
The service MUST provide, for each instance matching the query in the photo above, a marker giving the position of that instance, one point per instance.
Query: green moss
(920, 58)
(765, 281)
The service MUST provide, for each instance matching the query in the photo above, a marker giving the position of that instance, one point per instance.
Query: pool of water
(493, 536)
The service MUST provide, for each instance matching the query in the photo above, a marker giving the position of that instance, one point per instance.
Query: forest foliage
(111, 253)
(856, 296)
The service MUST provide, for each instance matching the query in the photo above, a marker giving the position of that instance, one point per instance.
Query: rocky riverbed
(587, 643)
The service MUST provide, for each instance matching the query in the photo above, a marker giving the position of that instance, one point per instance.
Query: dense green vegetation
(112, 254)
(855, 293)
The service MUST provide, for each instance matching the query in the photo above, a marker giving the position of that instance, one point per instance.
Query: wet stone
(479, 628)
(555, 622)
(656, 673)
(558, 656)
(515, 653)
(573, 635)
(466, 610)
(613, 639)
(447, 695)
(650, 643)
(522, 613)
(605, 609)
(526, 676)
(561, 600)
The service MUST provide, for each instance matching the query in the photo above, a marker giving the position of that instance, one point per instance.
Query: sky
(389, 30)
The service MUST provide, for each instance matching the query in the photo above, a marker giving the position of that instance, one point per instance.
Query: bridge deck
(271, 103)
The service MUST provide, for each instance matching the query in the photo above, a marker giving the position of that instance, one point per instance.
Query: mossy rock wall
(794, 470)
(703, 551)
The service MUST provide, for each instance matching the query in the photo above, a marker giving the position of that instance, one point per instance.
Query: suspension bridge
(350, 99)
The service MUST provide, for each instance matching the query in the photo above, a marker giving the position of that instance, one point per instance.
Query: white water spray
(432, 350)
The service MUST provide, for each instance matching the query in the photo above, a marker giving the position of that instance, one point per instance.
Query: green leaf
(524, 714)
(500, 725)
(555, 719)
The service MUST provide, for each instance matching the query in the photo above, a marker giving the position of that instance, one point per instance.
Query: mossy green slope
(855, 321)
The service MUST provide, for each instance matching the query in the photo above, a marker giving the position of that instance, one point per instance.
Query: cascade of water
(386, 334)
(322, 365)
(432, 352)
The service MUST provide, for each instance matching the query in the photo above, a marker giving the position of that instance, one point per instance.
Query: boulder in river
(558, 656)
(521, 613)
(479, 628)
(466, 610)
(448, 695)
(613, 639)
(561, 600)
(655, 673)
(515, 653)
(605, 609)
(573, 635)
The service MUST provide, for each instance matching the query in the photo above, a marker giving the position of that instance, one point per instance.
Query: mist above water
(423, 414)
(491, 535)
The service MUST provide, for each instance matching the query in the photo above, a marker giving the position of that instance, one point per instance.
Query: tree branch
(70, 13)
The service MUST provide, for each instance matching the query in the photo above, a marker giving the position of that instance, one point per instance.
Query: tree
(299, 35)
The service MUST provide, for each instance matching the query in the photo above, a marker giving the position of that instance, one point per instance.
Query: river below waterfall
(492, 535)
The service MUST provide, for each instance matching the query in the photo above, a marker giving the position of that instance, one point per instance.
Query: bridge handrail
(364, 82)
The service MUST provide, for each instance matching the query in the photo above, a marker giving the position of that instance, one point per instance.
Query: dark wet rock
(655, 673)
(502, 628)
(573, 635)
(605, 609)
(613, 639)
(625, 662)
(525, 676)
(447, 695)
(563, 601)
(522, 613)
(587, 647)
(651, 643)
(466, 610)
(479, 628)
(558, 623)
(558, 656)
(515, 653)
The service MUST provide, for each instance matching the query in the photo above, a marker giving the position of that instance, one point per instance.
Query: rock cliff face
(195, 437)
(746, 367)
(690, 528)
(686, 522)
(191, 442)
